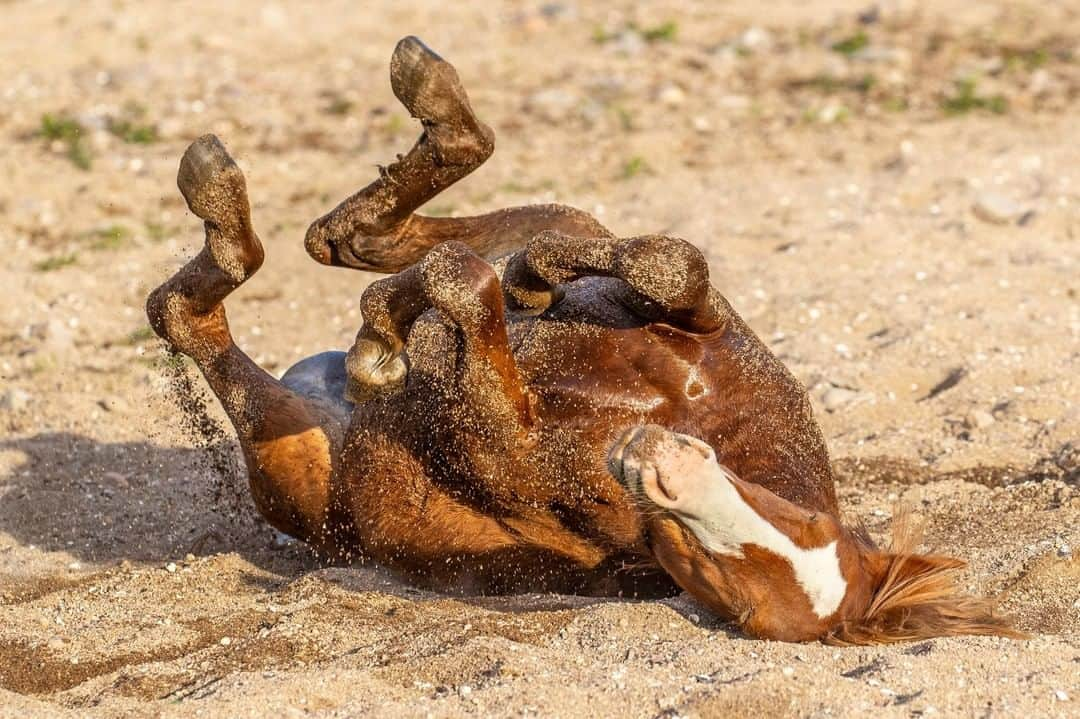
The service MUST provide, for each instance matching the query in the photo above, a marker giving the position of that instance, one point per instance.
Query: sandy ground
(883, 224)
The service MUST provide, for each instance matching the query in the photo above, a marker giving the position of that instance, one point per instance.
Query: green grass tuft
(666, 31)
(112, 237)
(143, 334)
(70, 132)
(132, 132)
(158, 232)
(966, 98)
(338, 105)
(56, 262)
(851, 45)
(634, 166)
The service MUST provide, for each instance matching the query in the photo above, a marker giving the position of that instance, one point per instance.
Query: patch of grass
(827, 115)
(824, 83)
(666, 31)
(1028, 59)
(966, 98)
(174, 361)
(112, 237)
(56, 262)
(445, 210)
(517, 188)
(133, 132)
(634, 166)
(828, 84)
(130, 126)
(338, 105)
(69, 131)
(60, 127)
(143, 334)
(158, 232)
(625, 116)
(601, 34)
(851, 44)
(42, 363)
(896, 103)
(395, 124)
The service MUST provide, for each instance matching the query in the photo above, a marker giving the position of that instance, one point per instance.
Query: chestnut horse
(534, 404)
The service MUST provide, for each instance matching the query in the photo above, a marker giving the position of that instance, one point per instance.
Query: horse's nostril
(664, 489)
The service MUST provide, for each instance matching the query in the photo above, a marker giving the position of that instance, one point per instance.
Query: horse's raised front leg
(377, 228)
(668, 278)
(290, 443)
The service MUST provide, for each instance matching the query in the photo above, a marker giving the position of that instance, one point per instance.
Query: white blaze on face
(696, 489)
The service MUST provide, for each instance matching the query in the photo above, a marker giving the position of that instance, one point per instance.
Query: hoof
(671, 271)
(430, 89)
(210, 180)
(524, 290)
(372, 370)
(426, 85)
(215, 191)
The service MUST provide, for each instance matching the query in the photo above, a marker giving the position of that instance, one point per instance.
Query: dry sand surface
(890, 197)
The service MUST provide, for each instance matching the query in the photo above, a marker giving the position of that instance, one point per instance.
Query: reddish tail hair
(916, 596)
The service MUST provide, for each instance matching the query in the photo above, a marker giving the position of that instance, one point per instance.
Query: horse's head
(779, 570)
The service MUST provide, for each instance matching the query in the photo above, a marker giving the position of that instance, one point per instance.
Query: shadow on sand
(106, 502)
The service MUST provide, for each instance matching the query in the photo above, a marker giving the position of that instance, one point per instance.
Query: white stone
(996, 209)
(836, 397)
(15, 399)
(979, 419)
(672, 95)
(553, 105)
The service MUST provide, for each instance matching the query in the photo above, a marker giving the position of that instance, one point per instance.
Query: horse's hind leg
(377, 228)
(667, 278)
(290, 443)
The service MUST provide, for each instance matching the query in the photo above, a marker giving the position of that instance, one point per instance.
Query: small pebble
(553, 105)
(996, 209)
(979, 419)
(1061, 695)
(672, 95)
(170, 567)
(226, 641)
(14, 400)
(836, 397)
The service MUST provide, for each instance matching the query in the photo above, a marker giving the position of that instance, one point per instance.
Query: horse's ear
(915, 596)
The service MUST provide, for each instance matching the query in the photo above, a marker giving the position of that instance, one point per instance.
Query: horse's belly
(587, 374)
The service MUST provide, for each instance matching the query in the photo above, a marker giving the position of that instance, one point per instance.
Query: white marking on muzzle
(723, 522)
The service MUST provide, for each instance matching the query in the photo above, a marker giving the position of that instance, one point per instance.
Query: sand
(906, 244)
